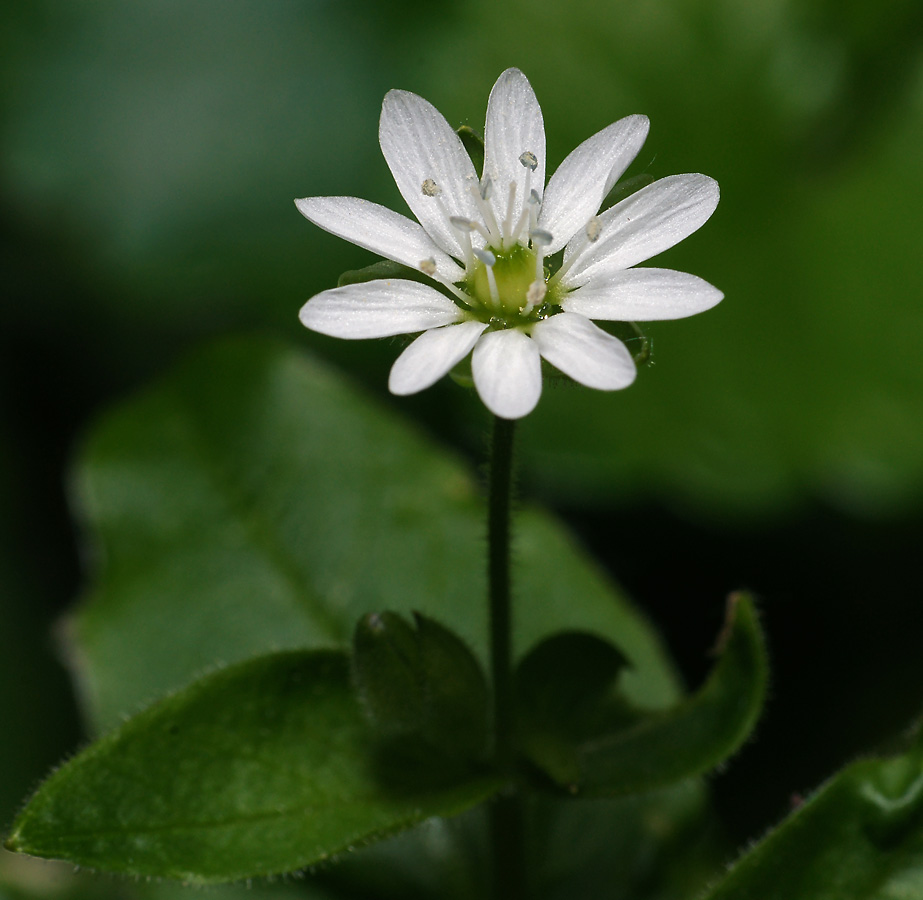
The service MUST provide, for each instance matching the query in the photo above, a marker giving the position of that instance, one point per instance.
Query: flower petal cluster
(486, 245)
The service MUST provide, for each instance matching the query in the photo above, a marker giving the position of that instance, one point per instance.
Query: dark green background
(149, 156)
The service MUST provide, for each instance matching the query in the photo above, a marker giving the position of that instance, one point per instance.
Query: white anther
(430, 188)
(486, 257)
(427, 266)
(486, 188)
(529, 160)
(541, 237)
(465, 226)
(592, 230)
(534, 198)
(536, 293)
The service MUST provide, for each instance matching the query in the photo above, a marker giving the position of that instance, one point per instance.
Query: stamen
(480, 194)
(486, 257)
(530, 163)
(535, 207)
(540, 240)
(591, 233)
(427, 266)
(534, 296)
(529, 215)
(508, 221)
(466, 226)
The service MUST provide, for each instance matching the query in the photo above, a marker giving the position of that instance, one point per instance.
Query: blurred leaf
(600, 746)
(386, 670)
(26, 878)
(168, 177)
(258, 769)
(253, 501)
(860, 837)
(38, 721)
(657, 846)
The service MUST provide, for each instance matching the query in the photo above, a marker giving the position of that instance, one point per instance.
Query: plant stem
(505, 812)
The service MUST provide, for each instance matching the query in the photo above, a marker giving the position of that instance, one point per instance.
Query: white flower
(486, 243)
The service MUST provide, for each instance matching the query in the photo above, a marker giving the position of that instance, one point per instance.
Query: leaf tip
(738, 603)
(14, 842)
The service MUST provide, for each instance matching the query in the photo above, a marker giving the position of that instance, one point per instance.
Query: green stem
(505, 811)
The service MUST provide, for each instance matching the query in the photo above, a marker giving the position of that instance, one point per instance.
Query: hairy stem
(506, 811)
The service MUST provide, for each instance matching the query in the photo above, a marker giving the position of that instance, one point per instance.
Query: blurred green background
(150, 153)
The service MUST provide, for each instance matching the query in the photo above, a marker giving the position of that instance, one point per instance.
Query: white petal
(380, 230)
(378, 309)
(643, 225)
(419, 144)
(585, 352)
(643, 295)
(507, 373)
(514, 126)
(580, 184)
(432, 355)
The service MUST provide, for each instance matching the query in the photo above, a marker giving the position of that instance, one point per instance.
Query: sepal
(383, 269)
(474, 145)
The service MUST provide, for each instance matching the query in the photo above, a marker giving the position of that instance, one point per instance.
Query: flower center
(501, 285)
(505, 281)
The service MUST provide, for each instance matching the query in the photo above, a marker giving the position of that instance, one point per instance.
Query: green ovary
(514, 271)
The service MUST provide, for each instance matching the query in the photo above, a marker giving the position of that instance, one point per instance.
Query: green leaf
(421, 684)
(257, 769)
(656, 846)
(860, 837)
(253, 501)
(565, 696)
(605, 748)
(386, 671)
(455, 691)
(25, 878)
